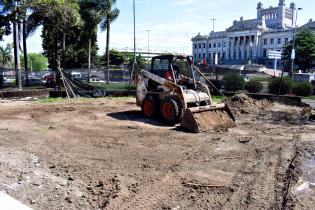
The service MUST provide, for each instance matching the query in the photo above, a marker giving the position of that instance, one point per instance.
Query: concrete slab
(9, 203)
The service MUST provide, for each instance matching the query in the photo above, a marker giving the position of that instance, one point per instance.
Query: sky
(172, 23)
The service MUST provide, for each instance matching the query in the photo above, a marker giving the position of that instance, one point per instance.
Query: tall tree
(60, 21)
(305, 50)
(108, 15)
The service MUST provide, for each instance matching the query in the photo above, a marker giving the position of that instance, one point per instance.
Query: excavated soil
(102, 154)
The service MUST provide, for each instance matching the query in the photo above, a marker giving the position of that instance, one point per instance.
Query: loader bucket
(208, 118)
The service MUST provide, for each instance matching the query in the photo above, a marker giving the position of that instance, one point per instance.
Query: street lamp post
(134, 33)
(293, 46)
(148, 42)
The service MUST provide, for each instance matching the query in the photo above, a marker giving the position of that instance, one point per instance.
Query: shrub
(286, 85)
(217, 84)
(233, 82)
(253, 86)
(303, 89)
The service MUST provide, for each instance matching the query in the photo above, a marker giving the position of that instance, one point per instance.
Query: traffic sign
(273, 54)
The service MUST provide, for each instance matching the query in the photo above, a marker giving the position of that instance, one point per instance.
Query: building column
(232, 48)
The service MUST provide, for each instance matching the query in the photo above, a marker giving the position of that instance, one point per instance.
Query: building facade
(248, 41)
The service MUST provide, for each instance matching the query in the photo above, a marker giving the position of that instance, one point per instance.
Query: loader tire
(170, 110)
(149, 106)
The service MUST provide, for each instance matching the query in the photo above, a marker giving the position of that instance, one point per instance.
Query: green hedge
(253, 86)
(233, 82)
(286, 85)
(303, 89)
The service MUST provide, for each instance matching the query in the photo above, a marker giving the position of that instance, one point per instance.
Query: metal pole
(148, 43)
(293, 47)
(134, 31)
(134, 45)
(17, 54)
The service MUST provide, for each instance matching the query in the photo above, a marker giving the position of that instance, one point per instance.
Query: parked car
(7, 80)
(96, 80)
(34, 81)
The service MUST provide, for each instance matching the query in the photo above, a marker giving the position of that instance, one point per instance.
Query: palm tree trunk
(89, 61)
(25, 53)
(14, 49)
(107, 47)
(63, 50)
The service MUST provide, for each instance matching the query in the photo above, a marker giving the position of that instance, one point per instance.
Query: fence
(96, 76)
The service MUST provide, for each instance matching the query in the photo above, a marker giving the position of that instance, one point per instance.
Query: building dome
(259, 5)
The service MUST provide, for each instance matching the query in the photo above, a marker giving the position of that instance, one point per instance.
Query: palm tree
(108, 15)
(5, 59)
(5, 55)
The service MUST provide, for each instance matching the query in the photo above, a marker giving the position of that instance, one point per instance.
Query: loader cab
(175, 65)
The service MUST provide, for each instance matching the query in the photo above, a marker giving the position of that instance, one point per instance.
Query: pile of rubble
(243, 104)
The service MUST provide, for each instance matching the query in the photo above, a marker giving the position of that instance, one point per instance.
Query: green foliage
(36, 62)
(305, 50)
(253, 86)
(303, 89)
(5, 55)
(286, 85)
(233, 82)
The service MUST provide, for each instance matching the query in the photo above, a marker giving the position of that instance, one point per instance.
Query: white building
(248, 41)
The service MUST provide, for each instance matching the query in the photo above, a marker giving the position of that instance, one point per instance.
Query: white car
(97, 80)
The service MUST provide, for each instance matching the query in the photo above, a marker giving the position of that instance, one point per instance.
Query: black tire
(171, 110)
(153, 111)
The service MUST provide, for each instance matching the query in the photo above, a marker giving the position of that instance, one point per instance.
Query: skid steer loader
(174, 90)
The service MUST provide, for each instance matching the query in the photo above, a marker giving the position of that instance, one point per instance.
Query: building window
(214, 45)
(195, 56)
(279, 40)
(219, 44)
(265, 53)
(199, 55)
(195, 46)
(265, 41)
(209, 56)
(199, 46)
(204, 55)
(210, 45)
(204, 45)
(286, 40)
(272, 41)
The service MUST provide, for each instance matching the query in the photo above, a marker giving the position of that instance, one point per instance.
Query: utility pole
(293, 46)
(213, 19)
(134, 32)
(134, 45)
(148, 43)
(17, 44)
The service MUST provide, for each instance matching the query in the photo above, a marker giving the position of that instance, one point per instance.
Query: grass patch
(309, 97)
(218, 99)
(50, 100)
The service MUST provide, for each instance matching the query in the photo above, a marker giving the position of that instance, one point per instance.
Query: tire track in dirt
(151, 197)
(254, 181)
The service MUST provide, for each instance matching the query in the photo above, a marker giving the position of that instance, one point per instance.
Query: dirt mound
(282, 114)
(243, 104)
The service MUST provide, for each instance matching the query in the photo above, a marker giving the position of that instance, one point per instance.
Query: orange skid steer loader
(174, 91)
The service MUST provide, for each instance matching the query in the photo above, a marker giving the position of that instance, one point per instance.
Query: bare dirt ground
(102, 154)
